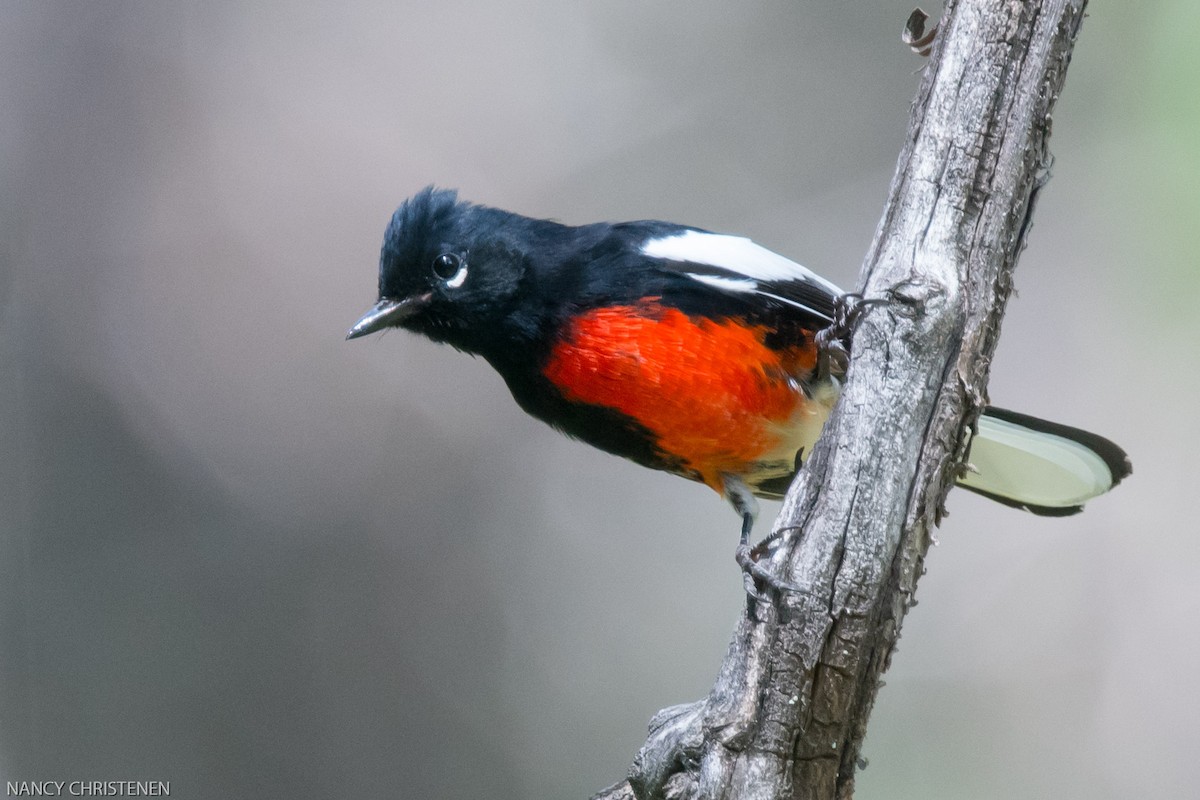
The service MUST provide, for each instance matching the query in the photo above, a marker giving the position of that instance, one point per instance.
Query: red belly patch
(712, 392)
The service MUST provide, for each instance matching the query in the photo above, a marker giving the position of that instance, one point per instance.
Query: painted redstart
(697, 353)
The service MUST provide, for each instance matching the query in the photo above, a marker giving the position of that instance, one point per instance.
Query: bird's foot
(833, 341)
(759, 580)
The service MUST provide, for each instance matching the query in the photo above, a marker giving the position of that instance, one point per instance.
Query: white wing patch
(735, 254)
(797, 304)
(726, 284)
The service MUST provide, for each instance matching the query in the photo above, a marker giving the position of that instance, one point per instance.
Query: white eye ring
(458, 279)
(451, 268)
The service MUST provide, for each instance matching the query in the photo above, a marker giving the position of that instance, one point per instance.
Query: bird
(698, 353)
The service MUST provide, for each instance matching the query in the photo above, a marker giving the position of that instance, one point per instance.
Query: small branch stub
(915, 35)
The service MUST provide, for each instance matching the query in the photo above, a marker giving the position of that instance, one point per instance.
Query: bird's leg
(755, 576)
(745, 504)
(742, 498)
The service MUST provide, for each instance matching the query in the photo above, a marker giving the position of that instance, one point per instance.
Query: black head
(448, 269)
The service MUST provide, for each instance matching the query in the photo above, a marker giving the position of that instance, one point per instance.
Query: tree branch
(788, 713)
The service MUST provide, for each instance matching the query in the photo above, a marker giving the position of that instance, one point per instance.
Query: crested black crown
(421, 224)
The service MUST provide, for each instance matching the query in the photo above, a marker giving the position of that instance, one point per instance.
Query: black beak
(386, 313)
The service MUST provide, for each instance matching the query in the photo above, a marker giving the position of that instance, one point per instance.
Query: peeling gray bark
(787, 715)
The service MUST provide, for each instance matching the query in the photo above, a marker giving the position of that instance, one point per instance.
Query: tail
(1041, 466)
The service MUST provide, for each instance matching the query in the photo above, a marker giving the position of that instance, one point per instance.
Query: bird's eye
(446, 266)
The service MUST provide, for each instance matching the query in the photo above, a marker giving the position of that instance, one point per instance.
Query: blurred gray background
(244, 556)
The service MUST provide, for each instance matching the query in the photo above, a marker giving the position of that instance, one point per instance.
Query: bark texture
(787, 715)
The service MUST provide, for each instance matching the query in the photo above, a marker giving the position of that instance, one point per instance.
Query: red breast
(712, 392)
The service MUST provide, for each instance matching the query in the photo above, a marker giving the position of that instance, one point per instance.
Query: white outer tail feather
(1034, 468)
